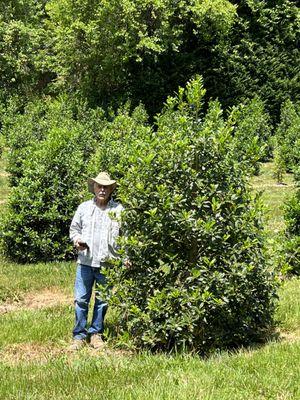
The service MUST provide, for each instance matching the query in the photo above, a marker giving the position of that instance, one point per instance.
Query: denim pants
(86, 277)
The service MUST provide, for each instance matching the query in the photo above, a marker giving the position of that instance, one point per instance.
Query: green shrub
(50, 179)
(291, 265)
(260, 55)
(292, 244)
(279, 164)
(252, 133)
(198, 277)
(40, 207)
(116, 141)
(25, 127)
(22, 129)
(2, 143)
(292, 214)
(288, 135)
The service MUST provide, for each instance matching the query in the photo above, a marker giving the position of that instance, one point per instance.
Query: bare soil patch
(49, 297)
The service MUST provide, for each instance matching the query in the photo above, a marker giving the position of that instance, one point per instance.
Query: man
(94, 230)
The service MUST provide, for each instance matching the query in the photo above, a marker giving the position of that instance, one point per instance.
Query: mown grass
(271, 372)
(43, 326)
(35, 362)
(274, 196)
(288, 312)
(16, 279)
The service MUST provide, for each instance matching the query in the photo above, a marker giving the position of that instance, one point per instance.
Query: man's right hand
(80, 245)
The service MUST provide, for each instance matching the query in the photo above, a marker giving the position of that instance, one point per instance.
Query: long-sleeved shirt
(99, 229)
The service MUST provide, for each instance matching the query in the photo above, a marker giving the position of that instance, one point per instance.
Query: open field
(36, 317)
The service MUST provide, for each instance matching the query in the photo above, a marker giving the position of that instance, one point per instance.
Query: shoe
(96, 342)
(77, 344)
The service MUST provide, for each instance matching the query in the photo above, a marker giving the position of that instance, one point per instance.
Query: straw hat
(102, 179)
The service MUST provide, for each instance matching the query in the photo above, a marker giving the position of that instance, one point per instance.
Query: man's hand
(80, 245)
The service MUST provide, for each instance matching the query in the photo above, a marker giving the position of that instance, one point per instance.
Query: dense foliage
(106, 52)
(261, 54)
(198, 277)
(49, 145)
(292, 243)
(192, 230)
(252, 133)
(288, 135)
(36, 223)
(288, 142)
(24, 66)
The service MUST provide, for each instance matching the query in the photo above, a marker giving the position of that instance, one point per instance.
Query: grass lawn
(36, 318)
(274, 196)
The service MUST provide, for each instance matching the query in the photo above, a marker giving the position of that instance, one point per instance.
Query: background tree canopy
(111, 51)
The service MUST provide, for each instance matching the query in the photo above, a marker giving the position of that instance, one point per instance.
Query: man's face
(102, 193)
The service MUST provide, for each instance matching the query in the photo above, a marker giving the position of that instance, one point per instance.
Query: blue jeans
(86, 277)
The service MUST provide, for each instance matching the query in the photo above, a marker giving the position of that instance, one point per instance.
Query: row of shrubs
(194, 234)
(55, 144)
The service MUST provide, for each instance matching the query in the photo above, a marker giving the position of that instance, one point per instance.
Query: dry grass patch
(43, 353)
(28, 353)
(49, 297)
(290, 337)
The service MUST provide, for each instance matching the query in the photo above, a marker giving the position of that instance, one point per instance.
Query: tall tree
(113, 49)
(23, 47)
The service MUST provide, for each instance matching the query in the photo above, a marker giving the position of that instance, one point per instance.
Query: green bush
(260, 55)
(291, 265)
(53, 141)
(24, 127)
(40, 207)
(292, 214)
(288, 135)
(25, 47)
(2, 143)
(252, 132)
(292, 243)
(116, 141)
(193, 234)
(279, 163)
